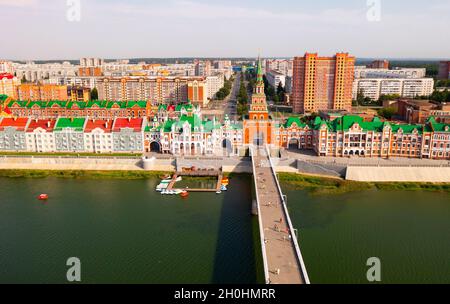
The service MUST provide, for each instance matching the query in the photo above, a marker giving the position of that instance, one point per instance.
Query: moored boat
(43, 197)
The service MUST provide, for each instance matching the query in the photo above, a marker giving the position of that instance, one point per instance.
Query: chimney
(48, 124)
(106, 125)
(129, 119)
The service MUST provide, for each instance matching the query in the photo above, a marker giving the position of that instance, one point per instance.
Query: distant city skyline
(41, 30)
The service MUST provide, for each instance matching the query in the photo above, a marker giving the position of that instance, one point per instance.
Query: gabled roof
(18, 123)
(46, 124)
(186, 107)
(294, 120)
(92, 124)
(128, 123)
(74, 123)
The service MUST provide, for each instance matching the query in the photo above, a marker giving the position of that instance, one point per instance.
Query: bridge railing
(261, 227)
(291, 227)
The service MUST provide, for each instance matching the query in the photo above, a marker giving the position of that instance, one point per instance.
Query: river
(125, 232)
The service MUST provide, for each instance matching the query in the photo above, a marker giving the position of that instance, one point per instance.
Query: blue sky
(39, 29)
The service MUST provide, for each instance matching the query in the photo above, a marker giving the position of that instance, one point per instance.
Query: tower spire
(259, 73)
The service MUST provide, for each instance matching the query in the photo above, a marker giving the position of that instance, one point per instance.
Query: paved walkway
(283, 264)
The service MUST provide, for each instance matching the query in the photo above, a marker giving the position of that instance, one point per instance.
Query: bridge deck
(283, 262)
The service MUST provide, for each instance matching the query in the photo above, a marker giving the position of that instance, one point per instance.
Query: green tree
(387, 113)
(94, 94)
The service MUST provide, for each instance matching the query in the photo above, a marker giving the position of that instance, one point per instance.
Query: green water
(123, 231)
(408, 231)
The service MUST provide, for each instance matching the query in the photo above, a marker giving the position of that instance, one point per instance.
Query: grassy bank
(322, 185)
(70, 154)
(80, 174)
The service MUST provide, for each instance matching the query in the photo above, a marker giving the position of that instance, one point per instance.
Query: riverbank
(81, 174)
(323, 185)
(315, 185)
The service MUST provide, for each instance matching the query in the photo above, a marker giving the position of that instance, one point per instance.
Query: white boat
(223, 188)
(219, 192)
(177, 191)
(161, 187)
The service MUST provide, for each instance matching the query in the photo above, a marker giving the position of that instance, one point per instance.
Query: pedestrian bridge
(283, 261)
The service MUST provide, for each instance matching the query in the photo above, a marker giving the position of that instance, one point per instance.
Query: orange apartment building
(158, 90)
(322, 83)
(90, 71)
(45, 92)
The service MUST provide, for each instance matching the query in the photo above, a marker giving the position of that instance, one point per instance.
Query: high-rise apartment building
(45, 92)
(91, 62)
(322, 83)
(202, 68)
(444, 70)
(283, 66)
(90, 71)
(158, 90)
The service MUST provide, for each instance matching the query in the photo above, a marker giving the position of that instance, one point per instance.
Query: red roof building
(46, 124)
(18, 123)
(105, 125)
(128, 123)
(6, 75)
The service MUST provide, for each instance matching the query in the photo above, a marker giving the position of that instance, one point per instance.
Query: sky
(50, 29)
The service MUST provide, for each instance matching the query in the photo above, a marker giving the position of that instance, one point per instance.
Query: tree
(387, 113)
(94, 94)
(280, 93)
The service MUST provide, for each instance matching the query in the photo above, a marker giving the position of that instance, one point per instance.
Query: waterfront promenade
(283, 262)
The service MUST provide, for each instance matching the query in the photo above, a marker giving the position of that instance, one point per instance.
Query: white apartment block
(275, 78)
(284, 66)
(36, 72)
(410, 88)
(87, 82)
(40, 140)
(222, 64)
(214, 84)
(408, 73)
(98, 141)
(91, 62)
